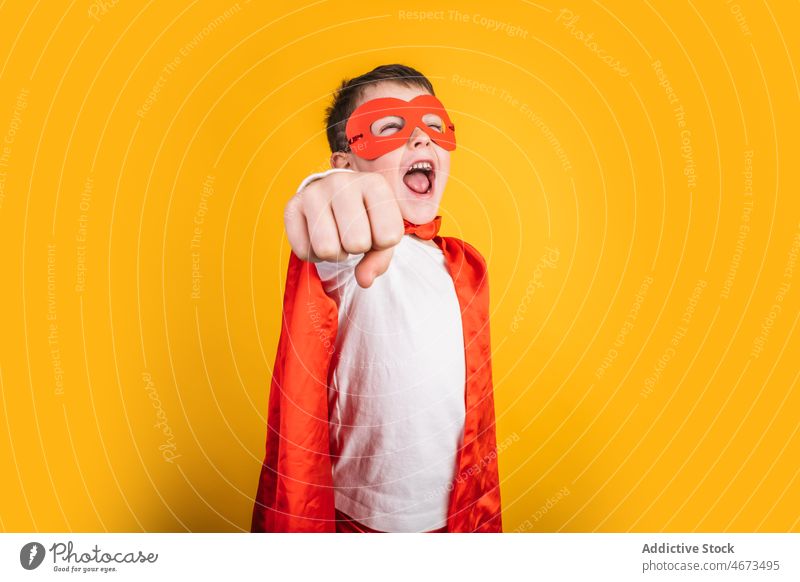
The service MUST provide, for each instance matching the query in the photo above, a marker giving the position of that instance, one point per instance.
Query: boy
(381, 415)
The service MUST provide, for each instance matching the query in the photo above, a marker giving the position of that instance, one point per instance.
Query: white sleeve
(338, 274)
(319, 175)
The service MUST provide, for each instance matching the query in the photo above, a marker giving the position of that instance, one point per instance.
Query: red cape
(295, 490)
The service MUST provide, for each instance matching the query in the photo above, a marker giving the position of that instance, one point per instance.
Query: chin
(418, 209)
(417, 214)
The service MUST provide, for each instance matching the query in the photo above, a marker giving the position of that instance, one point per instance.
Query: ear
(340, 160)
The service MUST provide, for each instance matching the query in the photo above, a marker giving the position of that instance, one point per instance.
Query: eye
(434, 122)
(387, 125)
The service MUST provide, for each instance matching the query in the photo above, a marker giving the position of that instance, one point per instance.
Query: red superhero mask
(381, 125)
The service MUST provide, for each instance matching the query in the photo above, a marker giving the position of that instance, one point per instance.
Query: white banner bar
(331, 557)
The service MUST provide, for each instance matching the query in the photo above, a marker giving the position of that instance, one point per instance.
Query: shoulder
(469, 252)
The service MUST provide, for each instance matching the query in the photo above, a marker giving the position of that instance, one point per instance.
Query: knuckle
(311, 193)
(292, 206)
(326, 251)
(356, 244)
(299, 247)
(389, 238)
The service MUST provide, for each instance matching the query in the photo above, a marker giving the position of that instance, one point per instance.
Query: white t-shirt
(396, 397)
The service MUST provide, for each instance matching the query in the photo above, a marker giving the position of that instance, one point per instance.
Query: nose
(418, 138)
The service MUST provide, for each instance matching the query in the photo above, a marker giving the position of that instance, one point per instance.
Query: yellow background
(644, 276)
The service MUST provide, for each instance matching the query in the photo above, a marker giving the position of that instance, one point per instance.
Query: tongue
(417, 181)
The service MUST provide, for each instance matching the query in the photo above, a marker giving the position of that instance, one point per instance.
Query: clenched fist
(346, 213)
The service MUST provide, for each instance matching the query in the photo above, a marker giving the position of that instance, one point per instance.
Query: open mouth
(420, 177)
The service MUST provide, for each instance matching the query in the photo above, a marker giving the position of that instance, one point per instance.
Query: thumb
(373, 265)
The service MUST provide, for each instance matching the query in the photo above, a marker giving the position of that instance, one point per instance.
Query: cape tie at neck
(425, 231)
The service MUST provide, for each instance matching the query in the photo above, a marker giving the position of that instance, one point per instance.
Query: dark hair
(351, 90)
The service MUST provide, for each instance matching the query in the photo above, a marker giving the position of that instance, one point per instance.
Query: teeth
(421, 166)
